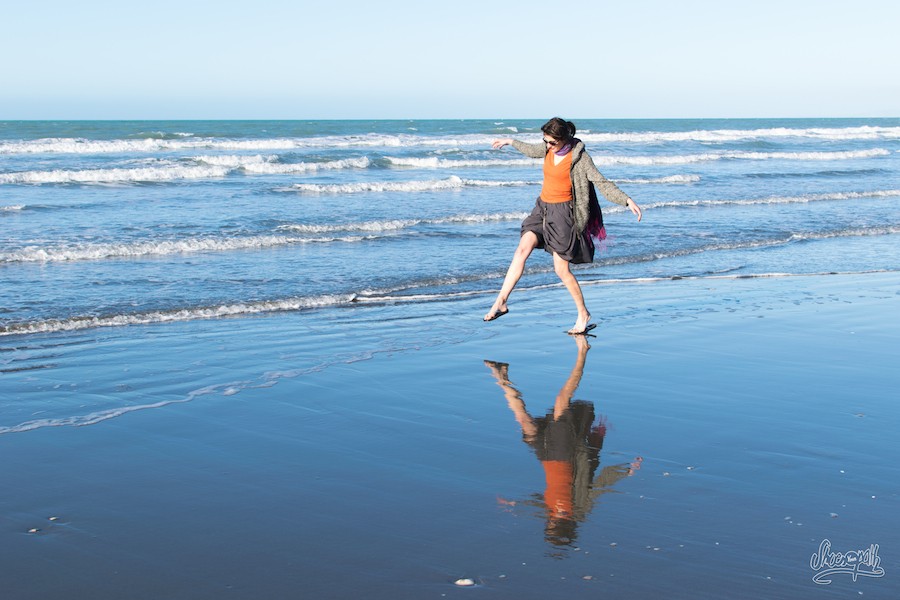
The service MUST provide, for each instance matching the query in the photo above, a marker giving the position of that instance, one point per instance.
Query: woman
(559, 221)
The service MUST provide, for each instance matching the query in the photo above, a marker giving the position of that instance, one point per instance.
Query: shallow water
(381, 457)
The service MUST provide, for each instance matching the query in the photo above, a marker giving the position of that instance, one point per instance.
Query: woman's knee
(562, 269)
(527, 244)
(523, 252)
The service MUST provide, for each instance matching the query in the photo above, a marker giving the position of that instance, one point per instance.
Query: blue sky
(98, 59)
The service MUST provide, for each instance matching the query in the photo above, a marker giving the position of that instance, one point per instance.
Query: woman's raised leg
(527, 243)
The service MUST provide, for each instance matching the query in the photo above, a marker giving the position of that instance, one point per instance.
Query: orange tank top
(557, 181)
(558, 495)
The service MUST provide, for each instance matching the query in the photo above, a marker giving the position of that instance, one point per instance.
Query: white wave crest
(451, 183)
(155, 145)
(663, 180)
(399, 224)
(12, 208)
(776, 199)
(736, 135)
(64, 253)
(850, 232)
(187, 314)
(618, 159)
(235, 161)
(284, 168)
(146, 174)
(735, 155)
(442, 163)
(94, 251)
(773, 242)
(370, 140)
(268, 165)
(148, 145)
(208, 167)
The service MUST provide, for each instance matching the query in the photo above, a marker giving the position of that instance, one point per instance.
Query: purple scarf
(564, 150)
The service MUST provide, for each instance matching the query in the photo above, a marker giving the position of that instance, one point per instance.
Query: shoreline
(274, 307)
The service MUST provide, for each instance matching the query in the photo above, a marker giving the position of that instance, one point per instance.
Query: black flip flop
(497, 315)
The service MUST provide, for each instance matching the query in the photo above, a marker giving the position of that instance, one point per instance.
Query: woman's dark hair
(559, 129)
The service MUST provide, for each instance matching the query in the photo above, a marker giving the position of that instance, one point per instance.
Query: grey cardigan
(583, 172)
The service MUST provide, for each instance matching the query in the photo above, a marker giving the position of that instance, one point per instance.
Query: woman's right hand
(500, 143)
(633, 206)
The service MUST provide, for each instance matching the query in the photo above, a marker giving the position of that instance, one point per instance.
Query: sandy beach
(738, 423)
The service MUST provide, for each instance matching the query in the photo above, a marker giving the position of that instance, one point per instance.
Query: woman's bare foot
(582, 342)
(581, 324)
(499, 369)
(497, 310)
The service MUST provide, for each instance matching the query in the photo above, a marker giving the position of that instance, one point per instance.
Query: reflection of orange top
(557, 181)
(558, 496)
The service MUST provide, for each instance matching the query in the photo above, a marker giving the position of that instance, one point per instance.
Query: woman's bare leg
(527, 243)
(513, 397)
(561, 266)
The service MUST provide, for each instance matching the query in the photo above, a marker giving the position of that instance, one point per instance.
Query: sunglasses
(550, 142)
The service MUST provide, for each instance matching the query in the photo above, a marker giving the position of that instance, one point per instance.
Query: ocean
(251, 355)
(133, 222)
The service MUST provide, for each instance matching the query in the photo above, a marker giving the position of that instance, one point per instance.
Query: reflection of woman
(565, 215)
(568, 445)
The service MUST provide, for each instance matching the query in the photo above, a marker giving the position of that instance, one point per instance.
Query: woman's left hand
(635, 208)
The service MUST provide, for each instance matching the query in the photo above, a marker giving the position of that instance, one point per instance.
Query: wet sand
(735, 424)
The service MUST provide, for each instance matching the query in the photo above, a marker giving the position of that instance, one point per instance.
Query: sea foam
(776, 199)
(442, 163)
(682, 159)
(399, 224)
(200, 167)
(94, 251)
(187, 142)
(428, 185)
(145, 174)
(185, 314)
(237, 309)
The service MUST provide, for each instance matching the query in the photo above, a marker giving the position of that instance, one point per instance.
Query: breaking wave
(735, 155)
(161, 142)
(399, 224)
(237, 309)
(777, 199)
(92, 251)
(429, 185)
(201, 167)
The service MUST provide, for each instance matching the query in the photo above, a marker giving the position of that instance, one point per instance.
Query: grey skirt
(554, 226)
